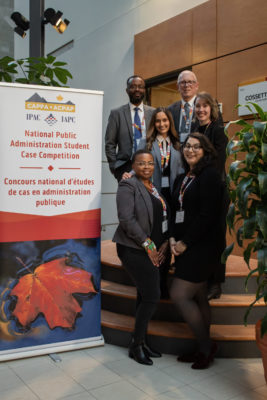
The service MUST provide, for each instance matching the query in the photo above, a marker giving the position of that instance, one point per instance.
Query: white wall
(102, 57)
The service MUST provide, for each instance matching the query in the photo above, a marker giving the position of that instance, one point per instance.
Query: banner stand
(50, 206)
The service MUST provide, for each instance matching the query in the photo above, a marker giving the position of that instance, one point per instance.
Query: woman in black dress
(194, 241)
(211, 125)
(142, 243)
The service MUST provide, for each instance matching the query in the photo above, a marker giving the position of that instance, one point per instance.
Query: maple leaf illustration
(49, 290)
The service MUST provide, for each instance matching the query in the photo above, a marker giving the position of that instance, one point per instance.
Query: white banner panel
(254, 93)
(50, 181)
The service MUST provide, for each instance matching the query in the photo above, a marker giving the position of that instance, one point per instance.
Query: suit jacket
(175, 109)
(135, 213)
(119, 135)
(176, 166)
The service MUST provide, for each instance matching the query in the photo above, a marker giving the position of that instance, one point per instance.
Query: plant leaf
(49, 290)
(262, 178)
(247, 252)
(231, 217)
(262, 260)
(261, 216)
(264, 151)
(259, 111)
(249, 227)
(227, 251)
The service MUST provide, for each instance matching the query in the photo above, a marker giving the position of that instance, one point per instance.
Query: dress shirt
(141, 114)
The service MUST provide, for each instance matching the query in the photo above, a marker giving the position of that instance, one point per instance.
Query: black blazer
(215, 133)
(135, 213)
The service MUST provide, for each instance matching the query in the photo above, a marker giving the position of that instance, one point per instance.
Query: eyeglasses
(194, 147)
(137, 87)
(144, 163)
(189, 83)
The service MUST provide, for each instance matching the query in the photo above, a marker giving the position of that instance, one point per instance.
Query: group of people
(171, 202)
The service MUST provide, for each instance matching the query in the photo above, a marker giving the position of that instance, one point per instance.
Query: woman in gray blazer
(142, 243)
(163, 142)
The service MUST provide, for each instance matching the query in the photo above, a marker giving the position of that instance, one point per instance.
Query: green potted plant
(247, 215)
(46, 71)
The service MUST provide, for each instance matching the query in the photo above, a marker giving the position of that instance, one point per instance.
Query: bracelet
(149, 245)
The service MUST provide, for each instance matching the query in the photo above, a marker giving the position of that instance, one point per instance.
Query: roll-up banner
(50, 181)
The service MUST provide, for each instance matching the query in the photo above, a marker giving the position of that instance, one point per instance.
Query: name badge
(165, 182)
(164, 226)
(179, 217)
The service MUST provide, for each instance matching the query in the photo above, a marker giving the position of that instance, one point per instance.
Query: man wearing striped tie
(127, 125)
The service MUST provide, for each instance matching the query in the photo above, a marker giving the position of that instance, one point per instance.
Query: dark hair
(141, 151)
(133, 77)
(209, 156)
(152, 132)
(214, 108)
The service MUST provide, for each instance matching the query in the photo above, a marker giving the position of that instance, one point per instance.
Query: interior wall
(224, 41)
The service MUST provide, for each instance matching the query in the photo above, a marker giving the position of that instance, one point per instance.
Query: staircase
(167, 332)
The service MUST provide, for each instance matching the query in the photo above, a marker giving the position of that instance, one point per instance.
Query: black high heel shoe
(149, 352)
(137, 353)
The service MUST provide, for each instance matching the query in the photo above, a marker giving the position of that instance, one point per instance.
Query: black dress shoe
(214, 291)
(137, 353)
(202, 361)
(149, 352)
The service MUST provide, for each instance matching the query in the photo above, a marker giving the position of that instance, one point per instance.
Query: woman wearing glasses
(195, 206)
(142, 242)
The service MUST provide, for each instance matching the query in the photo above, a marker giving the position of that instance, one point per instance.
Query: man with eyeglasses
(183, 111)
(127, 125)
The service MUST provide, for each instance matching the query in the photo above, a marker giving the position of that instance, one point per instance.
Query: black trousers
(127, 167)
(147, 281)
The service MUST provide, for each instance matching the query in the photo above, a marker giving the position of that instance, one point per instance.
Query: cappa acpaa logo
(36, 103)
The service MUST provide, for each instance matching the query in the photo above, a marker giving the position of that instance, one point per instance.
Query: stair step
(235, 266)
(178, 330)
(176, 338)
(226, 300)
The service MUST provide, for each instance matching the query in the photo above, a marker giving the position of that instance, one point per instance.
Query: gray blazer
(119, 135)
(176, 166)
(135, 213)
(175, 109)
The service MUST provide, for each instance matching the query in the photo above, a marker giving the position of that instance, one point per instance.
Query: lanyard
(165, 155)
(184, 186)
(187, 120)
(155, 193)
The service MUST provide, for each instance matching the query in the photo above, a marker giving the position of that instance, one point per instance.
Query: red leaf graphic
(49, 290)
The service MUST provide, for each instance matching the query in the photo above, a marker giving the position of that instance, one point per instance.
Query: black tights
(191, 300)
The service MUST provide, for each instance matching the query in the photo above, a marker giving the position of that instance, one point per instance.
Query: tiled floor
(106, 373)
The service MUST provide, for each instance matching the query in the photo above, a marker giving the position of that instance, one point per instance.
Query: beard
(136, 99)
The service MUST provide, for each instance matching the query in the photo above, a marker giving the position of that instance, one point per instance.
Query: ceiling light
(22, 24)
(54, 18)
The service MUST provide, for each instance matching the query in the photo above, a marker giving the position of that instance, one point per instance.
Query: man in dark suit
(183, 111)
(127, 125)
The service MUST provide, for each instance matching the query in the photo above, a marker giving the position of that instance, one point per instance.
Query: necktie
(137, 128)
(185, 125)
